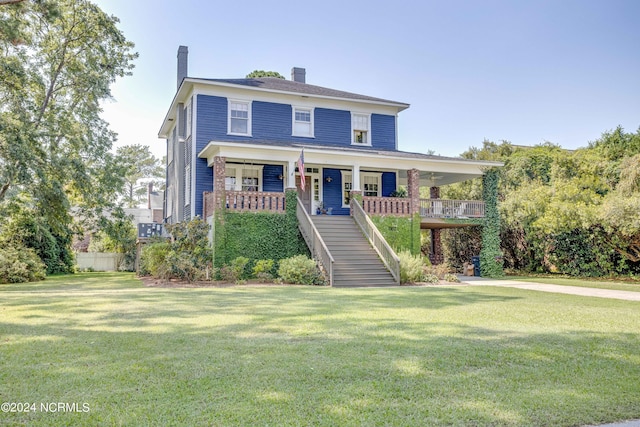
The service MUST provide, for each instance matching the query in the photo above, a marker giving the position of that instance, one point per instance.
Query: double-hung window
(360, 129)
(188, 116)
(243, 178)
(239, 117)
(347, 186)
(371, 185)
(303, 122)
(250, 180)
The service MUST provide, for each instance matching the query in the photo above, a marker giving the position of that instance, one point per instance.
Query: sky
(527, 72)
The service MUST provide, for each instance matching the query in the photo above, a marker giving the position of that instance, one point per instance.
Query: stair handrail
(386, 254)
(314, 241)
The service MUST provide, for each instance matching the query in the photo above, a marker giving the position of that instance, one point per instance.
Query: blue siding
(332, 127)
(272, 121)
(332, 191)
(211, 122)
(204, 182)
(388, 183)
(270, 180)
(383, 131)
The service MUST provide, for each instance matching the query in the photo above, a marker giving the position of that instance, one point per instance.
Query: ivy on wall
(402, 233)
(490, 255)
(258, 235)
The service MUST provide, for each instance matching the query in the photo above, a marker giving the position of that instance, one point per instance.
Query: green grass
(414, 356)
(581, 282)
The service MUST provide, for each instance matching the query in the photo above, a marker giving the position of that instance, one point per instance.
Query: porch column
(436, 256)
(355, 179)
(413, 190)
(291, 174)
(219, 172)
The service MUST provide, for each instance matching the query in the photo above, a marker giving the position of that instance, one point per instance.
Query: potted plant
(320, 208)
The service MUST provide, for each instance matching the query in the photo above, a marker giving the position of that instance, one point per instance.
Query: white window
(347, 186)
(250, 180)
(188, 117)
(171, 147)
(239, 117)
(361, 131)
(230, 179)
(169, 201)
(302, 122)
(243, 178)
(187, 185)
(370, 185)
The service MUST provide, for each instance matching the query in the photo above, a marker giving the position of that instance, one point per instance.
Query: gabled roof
(282, 85)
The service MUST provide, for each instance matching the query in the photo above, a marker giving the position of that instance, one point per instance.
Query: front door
(305, 195)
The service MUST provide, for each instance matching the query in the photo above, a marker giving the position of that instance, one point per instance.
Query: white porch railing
(388, 256)
(441, 208)
(314, 241)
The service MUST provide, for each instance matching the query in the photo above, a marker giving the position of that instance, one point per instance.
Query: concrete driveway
(546, 287)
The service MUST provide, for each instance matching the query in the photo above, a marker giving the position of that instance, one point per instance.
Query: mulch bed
(173, 283)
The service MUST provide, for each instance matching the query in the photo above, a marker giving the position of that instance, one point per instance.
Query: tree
(117, 234)
(140, 168)
(59, 59)
(261, 73)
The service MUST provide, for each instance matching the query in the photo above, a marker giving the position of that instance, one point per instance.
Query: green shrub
(20, 264)
(263, 270)
(187, 257)
(153, 260)
(411, 268)
(450, 277)
(430, 278)
(235, 271)
(300, 270)
(438, 270)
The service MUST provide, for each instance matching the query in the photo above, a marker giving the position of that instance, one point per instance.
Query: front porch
(254, 178)
(431, 211)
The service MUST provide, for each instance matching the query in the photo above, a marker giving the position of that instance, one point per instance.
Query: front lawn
(292, 355)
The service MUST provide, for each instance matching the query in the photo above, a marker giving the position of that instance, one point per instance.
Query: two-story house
(245, 138)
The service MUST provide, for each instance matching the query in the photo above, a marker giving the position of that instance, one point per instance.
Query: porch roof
(434, 170)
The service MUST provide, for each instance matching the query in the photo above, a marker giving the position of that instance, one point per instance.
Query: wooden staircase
(356, 262)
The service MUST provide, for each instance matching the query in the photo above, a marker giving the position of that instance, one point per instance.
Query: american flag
(301, 170)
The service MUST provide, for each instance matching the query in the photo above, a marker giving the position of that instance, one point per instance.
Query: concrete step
(356, 263)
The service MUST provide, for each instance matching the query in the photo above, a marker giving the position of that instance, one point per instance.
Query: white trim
(453, 169)
(239, 174)
(354, 115)
(194, 155)
(188, 118)
(360, 176)
(342, 182)
(377, 175)
(311, 111)
(249, 105)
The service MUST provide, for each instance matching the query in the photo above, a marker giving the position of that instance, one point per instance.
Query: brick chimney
(298, 75)
(183, 61)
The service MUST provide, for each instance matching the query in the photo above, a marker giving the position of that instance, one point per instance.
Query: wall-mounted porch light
(329, 179)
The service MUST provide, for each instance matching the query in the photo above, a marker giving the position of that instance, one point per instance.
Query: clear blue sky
(563, 71)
